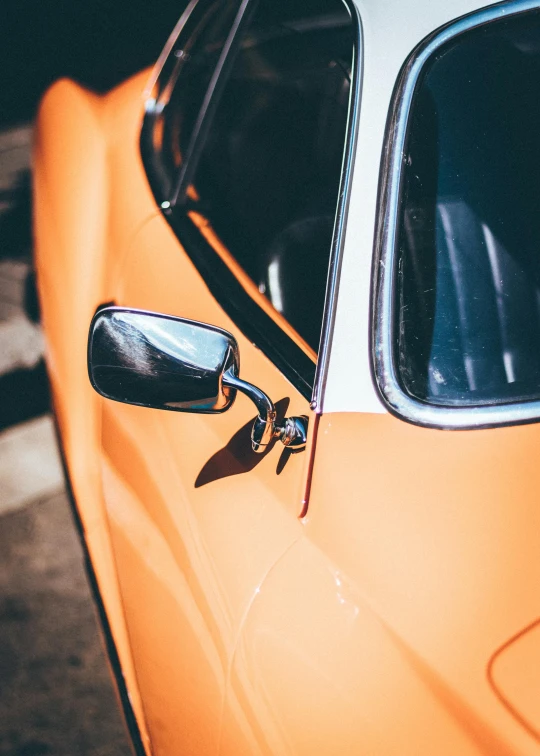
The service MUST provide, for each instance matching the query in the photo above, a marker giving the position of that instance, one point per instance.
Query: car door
(247, 144)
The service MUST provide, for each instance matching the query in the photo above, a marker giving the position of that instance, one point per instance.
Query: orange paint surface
(75, 243)
(440, 534)
(371, 625)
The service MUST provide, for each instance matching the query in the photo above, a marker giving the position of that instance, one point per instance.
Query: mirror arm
(263, 402)
(264, 426)
(292, 433)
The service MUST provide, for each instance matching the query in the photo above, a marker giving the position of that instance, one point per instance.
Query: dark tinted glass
(467, 315)
(183, 83)
(267, 177)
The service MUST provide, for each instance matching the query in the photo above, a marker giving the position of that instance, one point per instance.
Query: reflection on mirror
(161, 362)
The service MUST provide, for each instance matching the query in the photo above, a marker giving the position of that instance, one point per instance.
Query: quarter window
(467, 293)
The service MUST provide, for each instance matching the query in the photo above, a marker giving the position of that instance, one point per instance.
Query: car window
(180, 89)
(266, 177)
(247, 143)
(467, 294)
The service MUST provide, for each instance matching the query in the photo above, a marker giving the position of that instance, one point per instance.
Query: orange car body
(376, 594)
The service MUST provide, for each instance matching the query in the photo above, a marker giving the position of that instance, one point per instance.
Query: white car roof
(391, 29)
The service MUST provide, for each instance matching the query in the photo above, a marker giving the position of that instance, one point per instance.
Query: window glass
(467, 308)
(183, 83)
(267, 175)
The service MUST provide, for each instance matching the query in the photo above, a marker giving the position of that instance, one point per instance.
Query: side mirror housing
(168, 363)
(161, 362)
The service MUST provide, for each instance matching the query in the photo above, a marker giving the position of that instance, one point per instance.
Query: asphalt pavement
(56, 694)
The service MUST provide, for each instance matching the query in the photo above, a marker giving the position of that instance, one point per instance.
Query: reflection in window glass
(467, 319)
(268, 175)
(183, 82)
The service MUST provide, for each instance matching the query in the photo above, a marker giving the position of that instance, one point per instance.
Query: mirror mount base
(293, 432)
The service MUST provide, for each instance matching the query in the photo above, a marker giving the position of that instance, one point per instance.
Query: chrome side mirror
(169, 363)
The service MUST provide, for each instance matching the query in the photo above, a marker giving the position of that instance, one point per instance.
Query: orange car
(311, 234)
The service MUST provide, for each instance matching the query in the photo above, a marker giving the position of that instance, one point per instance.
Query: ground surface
(55, 691)
(56, 695)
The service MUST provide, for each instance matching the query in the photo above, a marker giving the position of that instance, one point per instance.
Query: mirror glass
(159, 361)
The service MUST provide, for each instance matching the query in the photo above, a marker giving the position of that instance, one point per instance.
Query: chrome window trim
(384, 371)
(160, 62)
(338, 239)
(200, 128)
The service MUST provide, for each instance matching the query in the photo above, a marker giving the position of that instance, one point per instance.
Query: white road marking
(21, 344)
(30, 467)
(15, 148)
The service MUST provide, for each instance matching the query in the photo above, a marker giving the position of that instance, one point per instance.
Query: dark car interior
(467, 312)
(268, 175)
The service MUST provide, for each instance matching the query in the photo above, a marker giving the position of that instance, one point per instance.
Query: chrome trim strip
(396, 400)
(156, 70)
(338, 242)
(208, 106)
